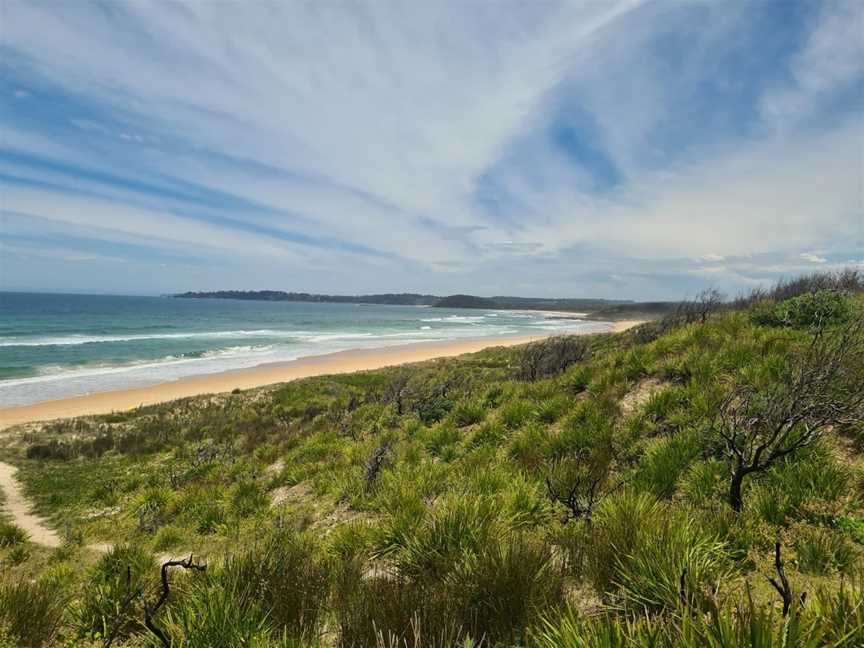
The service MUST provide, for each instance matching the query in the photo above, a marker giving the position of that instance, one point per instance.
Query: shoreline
(260, 376)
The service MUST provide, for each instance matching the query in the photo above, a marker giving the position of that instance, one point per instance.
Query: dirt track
(17, 506)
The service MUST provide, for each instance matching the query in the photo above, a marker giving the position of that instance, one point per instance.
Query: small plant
(820, 551)
(468, 413)
(30, 613)
(11, 534)
(108, 605)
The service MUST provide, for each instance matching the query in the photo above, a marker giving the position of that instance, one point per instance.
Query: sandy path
(18, 507)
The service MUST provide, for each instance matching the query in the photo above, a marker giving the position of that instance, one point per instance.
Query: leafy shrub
(820, 550)
(100, 609)
(456, 528)
(666, 461)
(502, 590)
(11, 534)
(392, 612)
(515, 413)
(650, 577)
(529, 447)
(209, 615)
(248, 498)
(553, 408)
(823, 307)
(618, 529)
(168, 537)
(468, 413)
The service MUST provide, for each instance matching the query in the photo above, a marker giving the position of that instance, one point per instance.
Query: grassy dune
(574, 492)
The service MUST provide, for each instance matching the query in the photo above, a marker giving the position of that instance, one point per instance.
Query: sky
(608, 148)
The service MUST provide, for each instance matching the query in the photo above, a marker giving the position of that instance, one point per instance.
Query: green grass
(456, 541)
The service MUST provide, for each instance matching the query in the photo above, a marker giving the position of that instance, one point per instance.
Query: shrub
(674, 561)
(820, 550)
(515, 413)
(11, 534)
(619, 527)
(550, 357)
(468, 413)
(392, 612)
(285, 578)
(502, 590)
(553, 408)
(30, 612)
(823, 307)
(667, 460)
(248, 498)
(529, 447)
(168, 537)
(100, 610)
(457, 528)
(209, 615)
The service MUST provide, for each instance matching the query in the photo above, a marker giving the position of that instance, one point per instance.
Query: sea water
(54, 346)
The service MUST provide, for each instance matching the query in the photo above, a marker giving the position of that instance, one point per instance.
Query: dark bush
(550, 357)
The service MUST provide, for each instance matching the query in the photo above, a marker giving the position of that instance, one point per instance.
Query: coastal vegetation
(695, 481)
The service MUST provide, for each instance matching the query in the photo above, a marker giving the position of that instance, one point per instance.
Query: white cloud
(832, 58)
(375, 125)
(813, 258)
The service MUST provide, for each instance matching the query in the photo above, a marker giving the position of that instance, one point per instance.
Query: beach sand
(267, 374)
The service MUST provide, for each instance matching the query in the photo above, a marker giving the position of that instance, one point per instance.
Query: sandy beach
(267, 374)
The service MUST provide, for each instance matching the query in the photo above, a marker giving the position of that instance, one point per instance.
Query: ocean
(54, 346)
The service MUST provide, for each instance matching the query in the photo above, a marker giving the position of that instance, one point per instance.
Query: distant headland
(605, 309)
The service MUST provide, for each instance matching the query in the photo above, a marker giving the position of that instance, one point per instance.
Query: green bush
(501, 591)
(100, 609)
(468, 413)
(666, 462)
(30, 613)
(515, 413)
(11, 534)
(823, 307)
(820, 550)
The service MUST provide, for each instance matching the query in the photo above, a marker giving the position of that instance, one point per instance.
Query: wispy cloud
(445, 146)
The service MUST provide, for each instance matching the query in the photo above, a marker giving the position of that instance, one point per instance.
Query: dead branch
(128, 597)
(820, 389)
(782, 587)
(151, 610)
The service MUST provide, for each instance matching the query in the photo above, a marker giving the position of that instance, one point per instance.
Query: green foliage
(30, 613)
(468, 413)
(823, 307)
(118, 574)
(11, 534)
(820, 550)
(666, 461)
(457, 541)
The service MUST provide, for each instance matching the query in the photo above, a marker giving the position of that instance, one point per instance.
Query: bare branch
(151, 610)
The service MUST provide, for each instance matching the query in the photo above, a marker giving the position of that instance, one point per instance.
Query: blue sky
(594, 148)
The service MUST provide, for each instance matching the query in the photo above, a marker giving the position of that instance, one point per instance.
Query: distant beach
(59, 346)
(346, 361)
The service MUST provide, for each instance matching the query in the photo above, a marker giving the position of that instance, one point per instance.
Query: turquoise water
(53, 346)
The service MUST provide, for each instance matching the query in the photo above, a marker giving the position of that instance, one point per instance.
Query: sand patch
(17, 506)
(639, 395)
